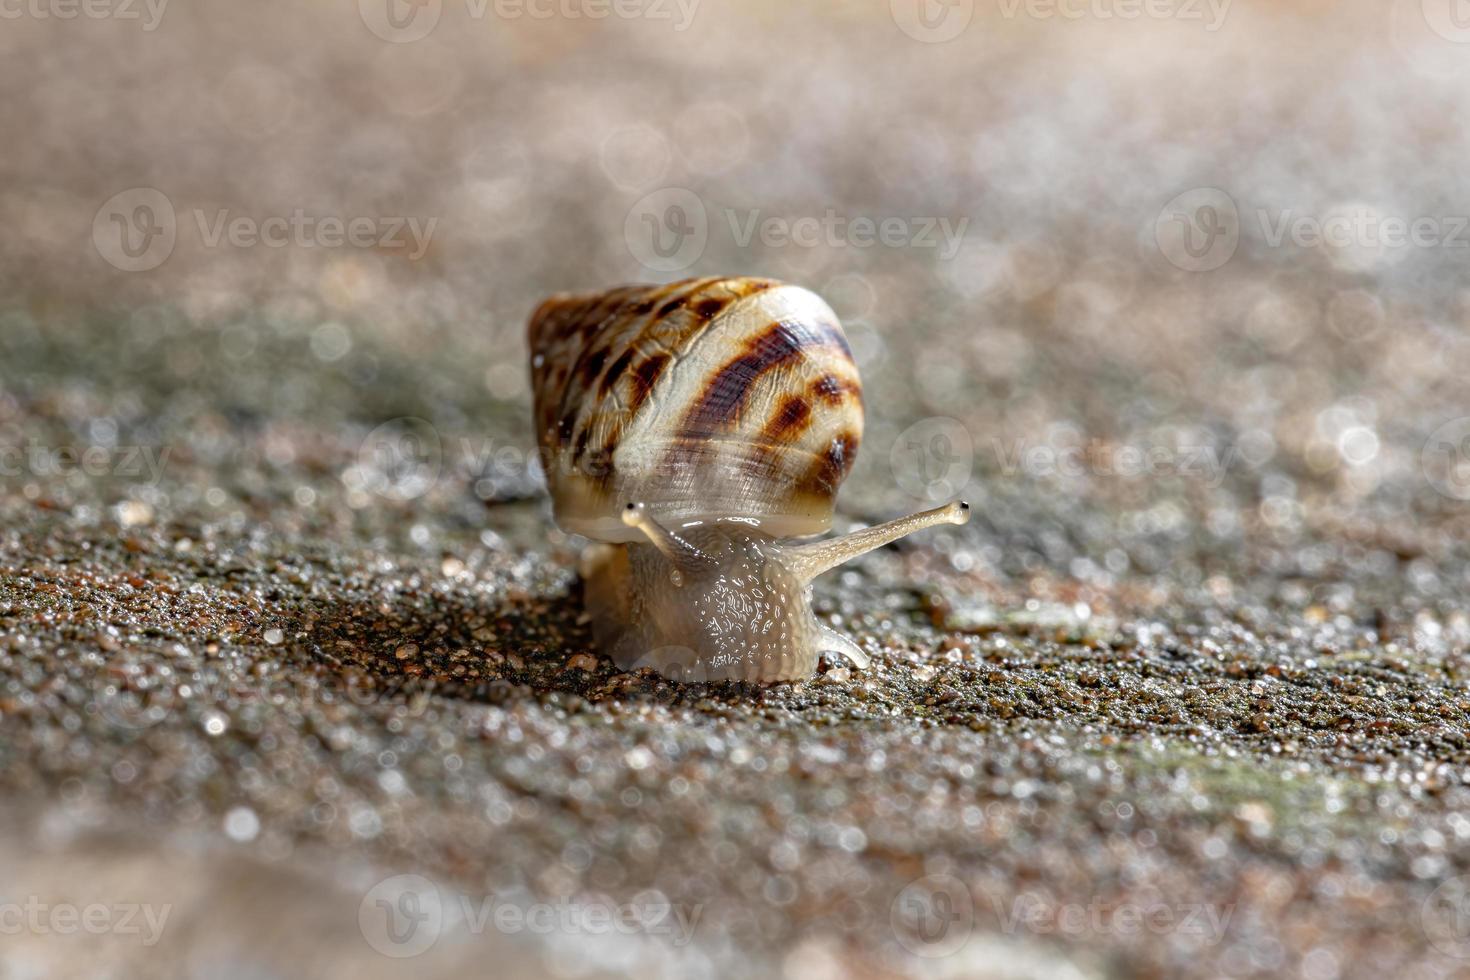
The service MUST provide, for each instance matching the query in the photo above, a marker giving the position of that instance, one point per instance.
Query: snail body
(692, 430)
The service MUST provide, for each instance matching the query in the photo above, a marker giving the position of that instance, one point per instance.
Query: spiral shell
(705, 399)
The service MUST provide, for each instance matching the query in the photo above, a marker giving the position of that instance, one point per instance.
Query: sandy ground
(294, 679)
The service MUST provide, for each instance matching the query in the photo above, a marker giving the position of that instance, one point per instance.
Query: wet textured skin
(740, 615)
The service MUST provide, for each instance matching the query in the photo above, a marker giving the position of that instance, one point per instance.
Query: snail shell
(715, 398)
(694, 429)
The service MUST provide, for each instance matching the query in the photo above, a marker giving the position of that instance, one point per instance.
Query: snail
(693, 430)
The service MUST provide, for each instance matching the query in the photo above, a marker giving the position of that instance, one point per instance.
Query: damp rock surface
(1234, 765)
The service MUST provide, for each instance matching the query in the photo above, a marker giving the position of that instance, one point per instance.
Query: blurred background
(1174, 291)
(1035, 159)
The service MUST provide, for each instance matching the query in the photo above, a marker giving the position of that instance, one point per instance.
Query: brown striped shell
(704, 399)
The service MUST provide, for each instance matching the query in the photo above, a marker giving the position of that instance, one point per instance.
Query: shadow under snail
(692, 430)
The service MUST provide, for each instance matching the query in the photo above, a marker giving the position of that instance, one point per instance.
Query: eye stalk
(807, 561)
(684, 556)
